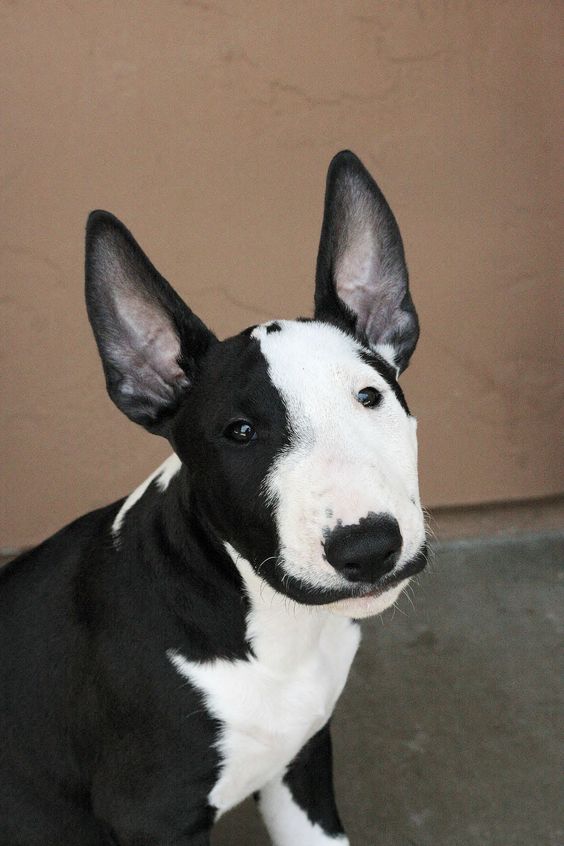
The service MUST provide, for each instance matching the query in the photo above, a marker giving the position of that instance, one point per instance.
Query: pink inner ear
(148, 336)
(356, 269)
(368, 288)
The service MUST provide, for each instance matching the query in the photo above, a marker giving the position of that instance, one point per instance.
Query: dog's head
(299, 450)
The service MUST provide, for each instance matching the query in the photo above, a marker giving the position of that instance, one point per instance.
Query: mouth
(368, 600)
(352, 592)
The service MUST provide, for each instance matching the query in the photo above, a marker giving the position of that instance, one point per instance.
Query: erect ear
(149, 340)
(362, 279)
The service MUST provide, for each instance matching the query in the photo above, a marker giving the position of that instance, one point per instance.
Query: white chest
(270, 705)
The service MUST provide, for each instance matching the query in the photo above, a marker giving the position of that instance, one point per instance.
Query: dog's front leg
(299, 805)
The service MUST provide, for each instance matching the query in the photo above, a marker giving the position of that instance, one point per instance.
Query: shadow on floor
(447, 733)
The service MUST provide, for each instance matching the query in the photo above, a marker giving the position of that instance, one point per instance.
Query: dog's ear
(149, 340)
(362, 279)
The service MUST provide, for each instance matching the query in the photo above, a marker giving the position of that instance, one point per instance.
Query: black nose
(366, 550)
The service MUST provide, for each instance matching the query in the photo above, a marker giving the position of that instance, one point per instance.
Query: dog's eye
(240, 431)
(369, 397)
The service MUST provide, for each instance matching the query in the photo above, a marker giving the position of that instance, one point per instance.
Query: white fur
(162, 475)
(273, 703)
(287, 823)
(345, 460)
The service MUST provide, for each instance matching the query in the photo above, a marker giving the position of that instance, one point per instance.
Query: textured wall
(208, 126)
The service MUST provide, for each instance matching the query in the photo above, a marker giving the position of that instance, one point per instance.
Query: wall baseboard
(498, 518)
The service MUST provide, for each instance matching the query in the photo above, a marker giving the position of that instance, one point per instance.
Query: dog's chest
(270, 705)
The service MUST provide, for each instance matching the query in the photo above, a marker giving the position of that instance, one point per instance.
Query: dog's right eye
(240, 431)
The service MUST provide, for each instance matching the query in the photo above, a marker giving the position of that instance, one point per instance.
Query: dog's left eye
(240, 431)
(369, 397)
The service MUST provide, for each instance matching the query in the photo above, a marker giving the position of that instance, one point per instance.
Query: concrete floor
(447, 733)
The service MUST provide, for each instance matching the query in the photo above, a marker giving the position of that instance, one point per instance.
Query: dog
(169, 655)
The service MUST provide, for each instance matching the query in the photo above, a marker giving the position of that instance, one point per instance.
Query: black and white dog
(169, 655)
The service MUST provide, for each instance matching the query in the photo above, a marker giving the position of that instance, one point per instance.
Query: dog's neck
(160, 530)
(280, 630)
(161, 509)
(178, 566)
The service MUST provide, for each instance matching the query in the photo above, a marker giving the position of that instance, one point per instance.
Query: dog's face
(299, 448)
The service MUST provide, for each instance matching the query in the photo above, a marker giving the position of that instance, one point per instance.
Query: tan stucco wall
(208, 126)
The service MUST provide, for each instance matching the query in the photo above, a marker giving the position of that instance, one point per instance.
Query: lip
(410, 568)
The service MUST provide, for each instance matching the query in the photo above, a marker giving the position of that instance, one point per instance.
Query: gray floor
(446, 734)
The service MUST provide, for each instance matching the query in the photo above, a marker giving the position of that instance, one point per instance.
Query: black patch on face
(387, 372)
(226, 479)
(273, 327)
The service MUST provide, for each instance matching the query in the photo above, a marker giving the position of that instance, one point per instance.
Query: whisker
(408, 597)
(262, 563)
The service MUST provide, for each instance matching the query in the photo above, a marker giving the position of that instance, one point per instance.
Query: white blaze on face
(345, 461)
